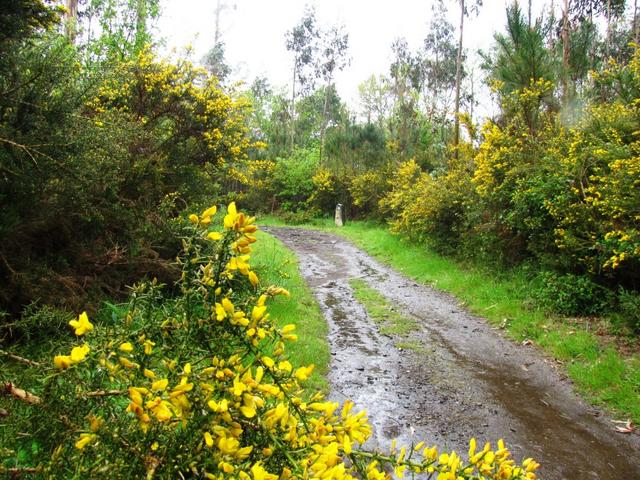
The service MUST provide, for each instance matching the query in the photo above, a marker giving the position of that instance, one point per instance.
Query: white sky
(254, 32)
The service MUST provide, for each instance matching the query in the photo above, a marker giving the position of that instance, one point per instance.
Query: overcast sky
(254, 32)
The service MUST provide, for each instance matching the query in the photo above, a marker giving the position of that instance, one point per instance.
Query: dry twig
(20, 394)
(17, 358)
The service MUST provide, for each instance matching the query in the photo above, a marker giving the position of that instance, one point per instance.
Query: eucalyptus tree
(71, 19)
(111, 28)
(375, 99)
(407, 77)
(439, 59)
(465, 10)
(215, 62)
(302, 42)
(333, 58)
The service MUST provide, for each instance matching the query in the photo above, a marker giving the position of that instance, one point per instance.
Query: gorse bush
(198, 385)
(90, 156)
(536, 189)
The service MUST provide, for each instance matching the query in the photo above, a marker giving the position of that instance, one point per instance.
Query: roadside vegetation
(107, 147)
(277, 265)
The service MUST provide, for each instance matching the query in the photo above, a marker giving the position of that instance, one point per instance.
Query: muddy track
(461, 379)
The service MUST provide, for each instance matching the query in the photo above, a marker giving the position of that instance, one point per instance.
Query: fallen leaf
(527, 342)
(627, 428)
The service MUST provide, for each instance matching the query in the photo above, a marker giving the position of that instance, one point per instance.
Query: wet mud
(460, 379)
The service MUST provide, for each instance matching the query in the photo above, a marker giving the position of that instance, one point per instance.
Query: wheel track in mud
(466, 380)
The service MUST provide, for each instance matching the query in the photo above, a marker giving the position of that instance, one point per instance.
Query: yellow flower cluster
(81, 326)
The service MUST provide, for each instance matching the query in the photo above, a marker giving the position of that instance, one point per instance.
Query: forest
(130, 185)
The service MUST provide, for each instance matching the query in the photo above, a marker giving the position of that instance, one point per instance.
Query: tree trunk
(71, 20)
(635, 22)
(456, 129)
(608, 44)
(565, 52)
(292, 130)
(216, 33)
(323, 125)
(141, 24)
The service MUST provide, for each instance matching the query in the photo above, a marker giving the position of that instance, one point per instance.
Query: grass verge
(277, 265)
(599, 371)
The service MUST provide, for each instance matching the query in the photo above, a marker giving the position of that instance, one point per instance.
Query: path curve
(465, 381)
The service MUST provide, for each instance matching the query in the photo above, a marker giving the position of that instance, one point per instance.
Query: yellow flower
(79, 353)
(269, 363)
(125, 362)
(148, 347)
(85, 439)
(126, 347)
(96, 423)
(259, 473)
(253, 278)
(82, 325)
(215, 236)
(209, 212)
(193, 218)
(346, 445)
(160, 408)
(62, 361)
(303, 373)
(160, 385)
(257, 313)
(230, 217)
(219, 407)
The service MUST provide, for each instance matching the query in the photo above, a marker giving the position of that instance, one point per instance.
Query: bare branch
(104, 393)
(20, 394)
(17, 358)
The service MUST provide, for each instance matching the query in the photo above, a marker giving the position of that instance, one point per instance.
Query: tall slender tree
(335, 43)
(302, 41)
(375, 99)
(71, 20)
(440, 65)
(464, 11)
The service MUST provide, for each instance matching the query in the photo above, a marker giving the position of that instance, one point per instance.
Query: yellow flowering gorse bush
(197, 384)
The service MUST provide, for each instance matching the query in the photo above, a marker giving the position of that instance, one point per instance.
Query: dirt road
(465, 379)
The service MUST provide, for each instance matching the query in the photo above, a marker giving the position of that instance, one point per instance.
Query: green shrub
(300, 217)
(37, 322)
(629, 308)
(292, 178)
(570, 294)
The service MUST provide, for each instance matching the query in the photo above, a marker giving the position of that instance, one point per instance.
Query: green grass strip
(277, 265)
(603, 375)
(390, 321)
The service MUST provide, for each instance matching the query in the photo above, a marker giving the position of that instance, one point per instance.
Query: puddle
(465, 380)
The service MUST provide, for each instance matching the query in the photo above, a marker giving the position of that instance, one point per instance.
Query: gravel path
(463, 380)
